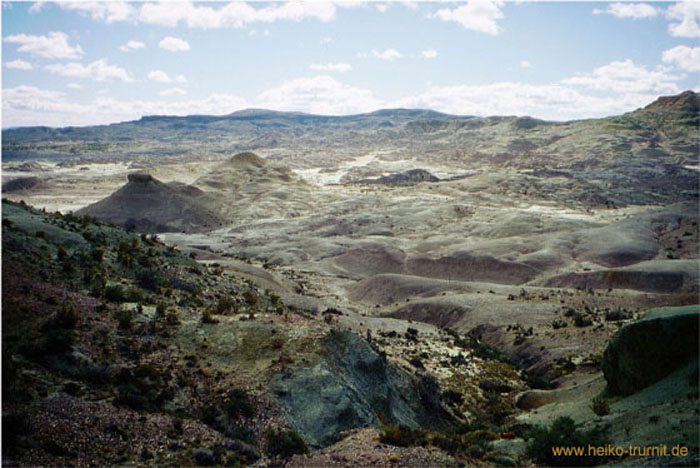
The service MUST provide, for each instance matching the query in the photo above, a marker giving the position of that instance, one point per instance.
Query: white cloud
(685, 58)
(525, 64)
(55, 45)
(163, 77)
(74, 86)
(627, 77)
(687, 15)
(335, 67)
(99, 70)
(160, 76)
(429, 53)
(173, 92)
(628, 10)
(19, 65)
(27, 105)
(388, 54)
(325, 40)
(174, 44)
(318, 95)
(36, 7)
(476, 15)
(132, 45)
(233, 14)
(109, 12)
(381, 7)
(551, 101)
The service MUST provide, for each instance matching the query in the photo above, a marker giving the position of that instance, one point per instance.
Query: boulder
(644, 352)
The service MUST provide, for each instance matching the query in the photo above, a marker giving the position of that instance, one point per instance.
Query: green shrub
(161, 309)
(448, 444)
(66, 318)
(403, 436)
(56, 341)
(224, 305)
(538, 382)
(564, 433)
(124, 319)
(115, 293)
(239, 404)
(250, 297)
(207, 317)
(600, 406)
(284, 444)
(484, 351)
(150, 279)
(97, 255)
(582, 321)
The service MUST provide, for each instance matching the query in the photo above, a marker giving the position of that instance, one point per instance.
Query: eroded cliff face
(352, 386)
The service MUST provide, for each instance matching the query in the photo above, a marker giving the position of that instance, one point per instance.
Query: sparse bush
(207, 317)
(61, 252)
(125, 319)
(284, 444)
(97, 255)
(66, 318)
(250, 297)
(403, 436)
(557, 324)
(239, 404)
(564, 433)
(600, 406)
(452, 397)
(115, 293)
(417, 363)
(614, 315)
(484, 351)
(161, 309)
(224, 305)
(448, 444)
(538, 382)
(150, 279)
(581, 320)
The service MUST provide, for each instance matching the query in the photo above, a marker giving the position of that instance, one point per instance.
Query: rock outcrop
(643, 352)
(354, 386)
(23, 183)
(410, 177)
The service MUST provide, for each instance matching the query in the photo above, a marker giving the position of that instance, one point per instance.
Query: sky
(92, 62)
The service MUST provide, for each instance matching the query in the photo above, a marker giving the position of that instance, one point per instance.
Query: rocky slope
(140, 355)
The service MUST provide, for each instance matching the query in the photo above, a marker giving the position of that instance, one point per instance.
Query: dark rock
(404, 178)
(645, 351)
(204, 457)
(353, 386)
(23, 183)
(242, 449)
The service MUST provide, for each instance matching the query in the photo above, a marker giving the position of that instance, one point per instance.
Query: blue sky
(84, 63)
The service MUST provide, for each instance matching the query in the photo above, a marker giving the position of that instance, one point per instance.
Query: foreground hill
(145, 204)
(118, 349)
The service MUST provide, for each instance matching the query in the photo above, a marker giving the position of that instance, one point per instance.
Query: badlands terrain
(399, 287)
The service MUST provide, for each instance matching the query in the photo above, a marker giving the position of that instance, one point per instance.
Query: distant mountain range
(665, 128)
